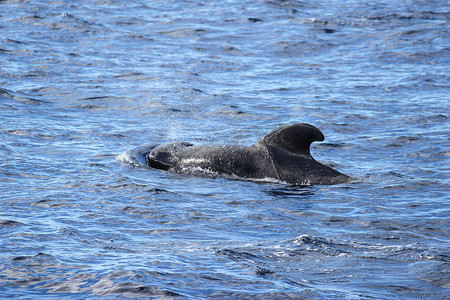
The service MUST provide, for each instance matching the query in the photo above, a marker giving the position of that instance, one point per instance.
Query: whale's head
(294, 138)
(165, 156)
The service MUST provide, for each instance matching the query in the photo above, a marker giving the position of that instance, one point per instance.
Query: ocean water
(82, 82)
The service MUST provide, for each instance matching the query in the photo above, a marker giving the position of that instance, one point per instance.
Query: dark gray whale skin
(282, 154)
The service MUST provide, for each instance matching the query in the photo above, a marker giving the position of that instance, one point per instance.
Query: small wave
(125, 158)
(321, 245)
(10, 223)
(136, 156)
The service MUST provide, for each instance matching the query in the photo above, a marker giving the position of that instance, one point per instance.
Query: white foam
(194, 161)
(128, 158)
(124, 157)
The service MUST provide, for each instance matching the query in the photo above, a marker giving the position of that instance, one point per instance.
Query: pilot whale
(283, 154)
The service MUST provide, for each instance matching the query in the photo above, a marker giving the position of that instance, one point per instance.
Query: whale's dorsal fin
(295, 138)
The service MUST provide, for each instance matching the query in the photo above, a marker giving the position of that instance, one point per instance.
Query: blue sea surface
(83, 82)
